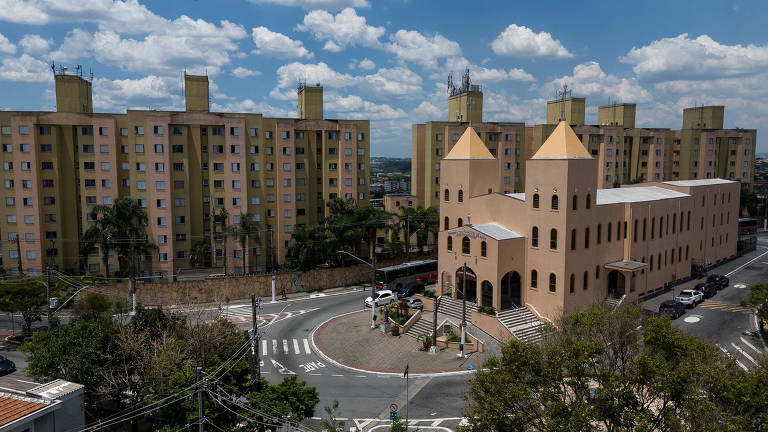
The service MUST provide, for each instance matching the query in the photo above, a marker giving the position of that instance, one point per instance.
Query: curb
(338, 364)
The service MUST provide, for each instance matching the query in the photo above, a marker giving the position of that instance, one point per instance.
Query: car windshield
(685, 294)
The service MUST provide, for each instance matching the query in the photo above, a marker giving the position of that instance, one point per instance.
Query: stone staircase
(523, 324)
(452, 308)
(613, 301)
(422, 326)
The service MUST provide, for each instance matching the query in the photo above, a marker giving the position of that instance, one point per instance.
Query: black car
(708, 289)
(6, 366)
(720, 280)
(410, 289)
(672, 308)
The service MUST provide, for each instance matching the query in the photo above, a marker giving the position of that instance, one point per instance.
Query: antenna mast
(563, 94)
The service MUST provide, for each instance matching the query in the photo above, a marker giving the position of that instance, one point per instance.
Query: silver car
(690, 298)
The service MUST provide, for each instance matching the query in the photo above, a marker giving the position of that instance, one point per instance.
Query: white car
(690, 297)
(383, 297)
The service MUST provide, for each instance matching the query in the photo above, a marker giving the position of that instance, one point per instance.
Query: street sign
(392, 416)
(393, 408)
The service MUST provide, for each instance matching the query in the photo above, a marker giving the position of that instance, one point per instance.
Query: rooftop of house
(635, 194)
(496, 231)
(562, 144)
(699, 182)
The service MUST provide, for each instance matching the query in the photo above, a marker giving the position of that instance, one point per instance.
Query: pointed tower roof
(562, 144)
(469, 146)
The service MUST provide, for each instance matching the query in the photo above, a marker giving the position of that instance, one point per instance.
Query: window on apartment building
(535, 201)
(159, 166)
(535, 237)
(141, 185)
(573, 239)
(553, 239)
(465, 245)
(555, 202)
(106, 183)
(552, 282)
(461, 195)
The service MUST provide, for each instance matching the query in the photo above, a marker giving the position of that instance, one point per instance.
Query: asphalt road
(721, 319)
(364, 398)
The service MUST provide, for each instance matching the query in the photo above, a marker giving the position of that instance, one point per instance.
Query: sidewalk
(349, 341)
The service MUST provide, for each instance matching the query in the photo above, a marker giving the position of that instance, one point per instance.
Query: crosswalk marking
(264, 347)
(746, 342)
(274, 346)
(723, 306)
(742, 352)
(306, 347)
(728, 353)
(285, 347)
(296, 349)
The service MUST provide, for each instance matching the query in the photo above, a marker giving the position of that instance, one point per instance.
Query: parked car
(382, 298)
(427, 278)
(6, 366)
(672, 308)
(707, 288)
(689, 298)
(410, 289)
(413, 303)
(720, 280)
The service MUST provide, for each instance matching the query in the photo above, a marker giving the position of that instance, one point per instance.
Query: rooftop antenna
(79, 70)
(90, 74)
(563, 94)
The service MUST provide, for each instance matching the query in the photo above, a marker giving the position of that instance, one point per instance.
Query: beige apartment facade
(182, 167)
(565, 243)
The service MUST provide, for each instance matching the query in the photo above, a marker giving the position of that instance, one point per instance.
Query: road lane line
(264, 350)
(274, 346)
(285, 347)
(296, 348)
(747, 263)
(742, 352)
(750, 345)
(306, 347)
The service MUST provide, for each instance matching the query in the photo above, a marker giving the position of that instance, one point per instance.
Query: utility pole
(407, 236)
(272, 257)
(433, 348)
(464, 310)
(200, 413)
(255, 361)
(18, 250)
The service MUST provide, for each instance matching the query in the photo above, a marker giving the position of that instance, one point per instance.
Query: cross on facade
(563, 94)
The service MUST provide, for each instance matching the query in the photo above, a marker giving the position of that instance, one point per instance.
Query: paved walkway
(350, 341)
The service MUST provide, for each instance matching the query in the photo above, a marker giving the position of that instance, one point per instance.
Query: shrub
(428, 294)
(488, 310)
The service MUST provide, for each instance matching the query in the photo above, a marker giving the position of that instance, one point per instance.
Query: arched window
(552, 282)
(599, 233)
(610, 232)
(680, 253)
(449, 243)
(672, 258)
(661, 226)
(645, 227)
(681, 221)
(686, 252)
(461, 195)
(572, 284)
(688, 222)
(588, 204)
(586, 238)
(446, 223)
(554, 202)
(553, 239)
(534, 279)
(483, 249)
(659, 261)
(575, 202)
(651, 264)
(634, 232)
(535, 237)
(597, 272)
(573, 239)
(653, 227)
(465, 245)
(447, 194)
(586, 280)
(535, 200)
(459, 222)
(674, 223)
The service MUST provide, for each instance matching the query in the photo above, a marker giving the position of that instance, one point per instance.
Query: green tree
(220, 220)
(245, 231)
(424, 221)
(26, 296)
(614, 371)
(749, 202)
(757, 300)
(311, 246)
(200, 254)
(331, 423)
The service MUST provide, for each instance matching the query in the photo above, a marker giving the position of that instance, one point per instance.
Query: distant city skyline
(389, 61)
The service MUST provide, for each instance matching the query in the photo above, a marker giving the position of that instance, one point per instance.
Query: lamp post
(373, 286)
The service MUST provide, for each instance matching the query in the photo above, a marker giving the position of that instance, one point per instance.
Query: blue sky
(387, 60)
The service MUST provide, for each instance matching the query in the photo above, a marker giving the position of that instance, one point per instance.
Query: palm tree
(99, 233)
(420, 220)
(245, 230)
(220, 218)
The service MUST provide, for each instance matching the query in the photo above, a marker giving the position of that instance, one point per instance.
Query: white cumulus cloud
(702, 58)
(366, 64)
(6, 47)
(150, 91)
(340, 30)
(25, 69)
(278, 45)
(242, 72)
(412, 46)
(520, 41)
(35, 44)
(589, 79)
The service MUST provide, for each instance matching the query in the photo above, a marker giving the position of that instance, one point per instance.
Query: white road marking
(264, 350)
(306, 347)
(274, 346)
(742, 352)
(746, 342)
(285, 347)
(746, 264)
(27, 382)
(360, 376)
(282, 369)
(337, 375)
(296, 348)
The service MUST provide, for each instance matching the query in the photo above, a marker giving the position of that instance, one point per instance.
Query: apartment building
(565, 243)
(183, 167)
(626, 154)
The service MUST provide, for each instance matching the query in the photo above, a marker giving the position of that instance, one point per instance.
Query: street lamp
(373, 286)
